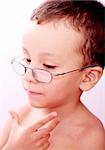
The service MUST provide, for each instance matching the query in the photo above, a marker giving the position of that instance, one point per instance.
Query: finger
(53, 123)
(46, 136)
(46, 145)
(50, 125)
(42, 132)
(41, 141)
(15, 117)
(43, 121)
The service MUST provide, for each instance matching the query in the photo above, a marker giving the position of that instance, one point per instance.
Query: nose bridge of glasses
(29, 73)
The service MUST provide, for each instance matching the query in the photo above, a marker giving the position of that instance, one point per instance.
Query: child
(63, 57)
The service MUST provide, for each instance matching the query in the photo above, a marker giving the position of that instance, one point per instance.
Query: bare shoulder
(22, 112)
(95, 135)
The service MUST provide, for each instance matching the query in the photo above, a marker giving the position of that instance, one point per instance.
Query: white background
(14, 15)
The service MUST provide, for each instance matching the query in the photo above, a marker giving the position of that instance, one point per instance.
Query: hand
(31, 137)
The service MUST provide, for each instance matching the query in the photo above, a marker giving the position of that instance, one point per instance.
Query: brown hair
(86, 16)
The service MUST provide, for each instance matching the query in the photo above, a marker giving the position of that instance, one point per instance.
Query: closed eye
(49, 66)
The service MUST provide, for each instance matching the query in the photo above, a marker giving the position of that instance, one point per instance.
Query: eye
(49, 66)
(27, 60)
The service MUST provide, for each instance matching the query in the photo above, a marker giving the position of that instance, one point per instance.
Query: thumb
(15, 117)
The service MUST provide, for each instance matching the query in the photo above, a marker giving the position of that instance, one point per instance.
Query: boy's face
(53, 48)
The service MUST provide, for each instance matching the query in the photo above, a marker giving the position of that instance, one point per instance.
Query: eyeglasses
(41, 75)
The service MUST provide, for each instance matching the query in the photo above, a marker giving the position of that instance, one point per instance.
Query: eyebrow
(44, 54)
(25, 50)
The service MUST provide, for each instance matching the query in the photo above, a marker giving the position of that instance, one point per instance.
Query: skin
(36, 46)
(35, 136)
(55, 45)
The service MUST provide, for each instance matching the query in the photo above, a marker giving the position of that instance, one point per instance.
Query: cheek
(62, 88)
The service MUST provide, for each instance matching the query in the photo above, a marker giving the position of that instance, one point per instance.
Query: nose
(28, 76)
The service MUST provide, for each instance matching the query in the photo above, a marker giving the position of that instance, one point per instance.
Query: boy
(63, 57)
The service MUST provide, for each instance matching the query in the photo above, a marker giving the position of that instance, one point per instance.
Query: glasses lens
(42, 75)
(18, 68)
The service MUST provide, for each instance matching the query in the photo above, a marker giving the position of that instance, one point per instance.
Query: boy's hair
(86, 17)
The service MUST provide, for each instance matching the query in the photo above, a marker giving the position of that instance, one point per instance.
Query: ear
(90, 77)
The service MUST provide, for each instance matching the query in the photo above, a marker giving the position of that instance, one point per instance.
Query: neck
(64, 111)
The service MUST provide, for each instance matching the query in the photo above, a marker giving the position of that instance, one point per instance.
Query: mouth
(32, 93)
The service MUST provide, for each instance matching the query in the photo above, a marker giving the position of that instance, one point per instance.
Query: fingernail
(54, 114)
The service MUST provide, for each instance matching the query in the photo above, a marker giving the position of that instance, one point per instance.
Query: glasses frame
(51, 74)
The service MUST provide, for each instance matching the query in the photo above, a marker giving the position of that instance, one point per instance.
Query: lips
(33, 93)
(30, 92)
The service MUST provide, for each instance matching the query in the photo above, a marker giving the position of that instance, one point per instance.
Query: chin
(38, 103)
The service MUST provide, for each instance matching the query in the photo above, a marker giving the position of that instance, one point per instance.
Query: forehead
(52, 39)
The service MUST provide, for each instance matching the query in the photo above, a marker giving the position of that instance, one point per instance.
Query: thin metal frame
(52, 75)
